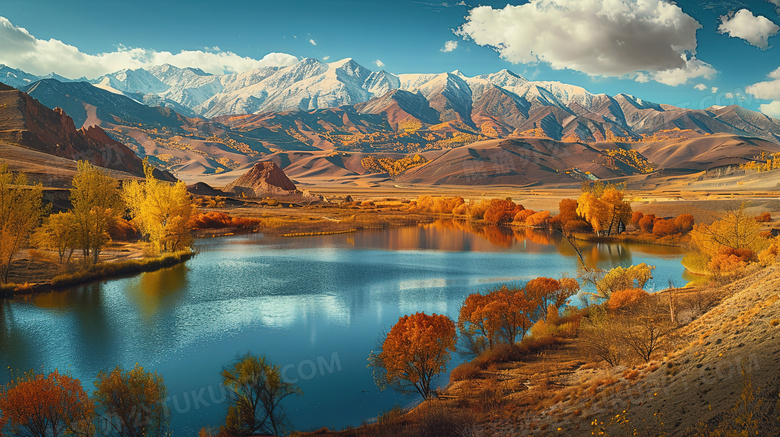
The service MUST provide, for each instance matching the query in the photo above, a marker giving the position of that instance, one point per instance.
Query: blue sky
(408, 37)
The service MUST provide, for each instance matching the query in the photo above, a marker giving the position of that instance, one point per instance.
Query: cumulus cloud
(22, 50)
(379, 63)
(312, 42)
(643, 39)
(756, 30)
(328, 57)
(449, 46)
(769, 89)
(715, 89)
(700, 86)
(771, 109)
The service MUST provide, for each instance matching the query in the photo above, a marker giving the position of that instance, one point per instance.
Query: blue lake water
(314, 305)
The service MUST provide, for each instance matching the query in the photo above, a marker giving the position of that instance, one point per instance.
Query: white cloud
(22, 50)
(769, 89)
(449, 46)
(775, 2)
(643, 39)
(325, 58)
(729, 95)
(692, 69)
(312, 42)
(771, 109)
(379, 63)
(715, 89)
(700, 86)
(756, 30)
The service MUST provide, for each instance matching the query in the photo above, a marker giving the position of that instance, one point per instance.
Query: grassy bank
(99, 272)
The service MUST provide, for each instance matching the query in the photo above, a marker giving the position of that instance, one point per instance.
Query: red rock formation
(27, 123)
(265, 179)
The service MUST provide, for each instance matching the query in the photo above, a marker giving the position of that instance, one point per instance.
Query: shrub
(764, 218)
(123, 230)
(684, 223)
(636, 217)
(221, 220)
(476, 211)
(501, 211)
(465, 371)
(663, 228)
(577, 226)
(730, 261)
(540, 218)
(625, 299)
(646, 223)
(523, 215)
(461, 209)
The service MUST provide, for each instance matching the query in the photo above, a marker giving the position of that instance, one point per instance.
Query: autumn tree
(548, 291)
(161, 210)
(416, 349)
(501, 211)
(97, 203)
(20, 212)
(646, 223)
(255, 390)
(131, 403)
(478, 333)
(736, 230)
(600, 336)
(684, 223)
(604, 208)
(58, 233)
(622, 278)
(39, 405)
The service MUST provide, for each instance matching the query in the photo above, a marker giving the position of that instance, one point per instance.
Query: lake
(314, 305)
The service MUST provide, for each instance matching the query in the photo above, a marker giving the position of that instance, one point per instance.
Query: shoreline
(99, 273)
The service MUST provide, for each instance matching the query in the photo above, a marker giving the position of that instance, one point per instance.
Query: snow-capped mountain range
(500, 103)
(308, 85)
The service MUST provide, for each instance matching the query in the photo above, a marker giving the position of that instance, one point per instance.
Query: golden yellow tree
(97, 204)
(621, 278)
(20, 212)
(604, 208)
(132, 403)
(736, 230)
(162, 211)
(58, 233)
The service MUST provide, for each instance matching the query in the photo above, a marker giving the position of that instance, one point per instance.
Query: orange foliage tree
(504, 315)
(635, 217)
(567, 212)
(501, 211)
(44, 405)
(548, 291)
(684, 223)
(541, 218)
(416, 349)
(646, 223)
(523, 215)
(764, 217)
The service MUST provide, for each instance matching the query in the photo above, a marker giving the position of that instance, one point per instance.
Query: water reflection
(293, 299)
(154, 291)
